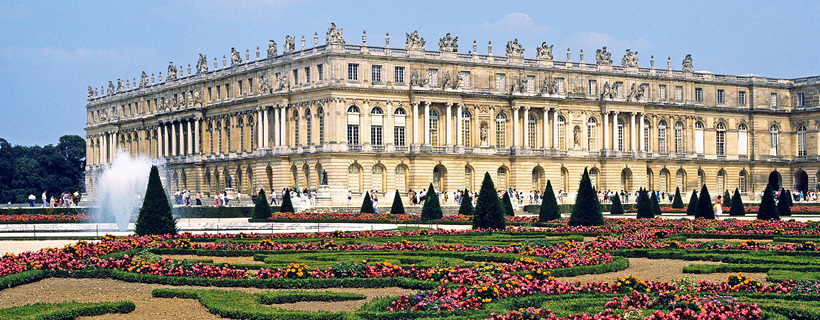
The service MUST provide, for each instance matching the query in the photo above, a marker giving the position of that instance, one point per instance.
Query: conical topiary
(287, 205)
(432, 208)
(549, 205)
(678, 201)
(508, 208)
(704, 208)
(261, 208)
(617, 207)
(693, 204)
(488, 211)
(155, 215)
(783, 208)
(645, 209)
(790, 197)
(398, 206)
(466, 207)
(767, 209)
(656, 206)
(587, 210)
(727, 199)
(737, 208)
(367, 204)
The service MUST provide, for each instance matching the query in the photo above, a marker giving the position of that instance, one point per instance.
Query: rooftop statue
(172, 72)
(630, 59)
(271, 49)
(334, 36)
(290, 44)
(120, 86)
(448, 44)
(544, 52)
(514, 49)
(687, 63)
(603, 58)
(414, 42)
(202, 64)
(91, 93)
(143, 80)
(236, 59)
(110, 90)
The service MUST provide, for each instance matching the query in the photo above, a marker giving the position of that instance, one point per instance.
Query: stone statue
(120, 86)
(414, 42)
(630, 59)
(290, 44)
(264, 85)
(576, 136)
(544, 52)
(202, 64)
(271, 49)
(172, 72)
(523, 85)
(143, 80)
(550, 86)
(183, 100)
(687, 63)
(515, 87)
(633, 93)
(483, 132)
(110, 90)
(458, 80)
(197, 98)
(334, 36)
(418, 80)
(514, 49)
(324, 177)
(448, 44)
(236, 59)
(282, 82)
(641, 90)
(91, 94)
(603, 58)
(607, 91)
(448, 81)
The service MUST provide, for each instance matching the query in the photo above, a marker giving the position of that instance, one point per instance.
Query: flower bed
(46, 218)
(378, 218)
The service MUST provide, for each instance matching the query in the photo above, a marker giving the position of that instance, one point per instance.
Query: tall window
(680, 180)
(353, 125)
(699, 137)
(801, 141)
(432, 74)
(401, 172)
(319, 74)
(308, 127)
(219, 134)
(662, 136)
(721, 96)
(320, 113)
(307, 75)
(620, 134)
(468, 177)
(774, 140)
(398, 75)
(801, 100)
(741, 98)
(376, 126)
(593, 178)
(773, 100)
(593, 88)
(721, 180)
(352, 71)
(376, 74)
(742, 182)
(720, 139)
(592, 139)
(433, 127)
(500, 131)
(531, 130)
(561, 131)
(464, 77)
(398, 127)
(664, 179)
(228, 136)
(378, 178)
(502, 178)
(296, 76)
(678, 93)
(466, 130)
(295, 128)
(698, 94)
(662, 92)
(531, 84)
(376, 135)
(241, 126)
(646, 136)
(353, 178)
(398, 135)
(500, 82)
(679, 137)
(742, 139)
(210, 137)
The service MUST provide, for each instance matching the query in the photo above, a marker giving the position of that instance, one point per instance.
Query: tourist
(718, 207)
(273, 197)
(198, 199)
(45, 199)
(31, 199)
(239, 198)
(349, 197)
(560, 196)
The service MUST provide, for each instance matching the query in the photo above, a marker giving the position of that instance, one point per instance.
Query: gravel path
(659, 270)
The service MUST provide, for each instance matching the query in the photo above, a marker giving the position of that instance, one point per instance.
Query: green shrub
(727, 199)
(656, 206)
(65, 310)
(508, 208)
(488, 211)
(261, 209)
(432, 208)
(704, 208)
(616, 207)
(466, 208)
(287, 205)
(587, 211)
(783, 205)
(768, 209)
(678, 201)
(155, 215)
(367, 204)
(645, 210)
(398, 206)
(737, 208)
(693, 204)
(549, 205)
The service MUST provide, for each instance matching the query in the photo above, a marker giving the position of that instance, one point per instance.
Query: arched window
(400, 111)
(399, 120)
(646, 135)
(376, 110)
(466, 130)
(680, 180)
(531, 125)
(308, 127)
(320, 113)
(741, 183)
(433, 127)
(378, 178)
(592, 139)
(593, 178)
(210, 136)
(720, 139)
(295, 128)
(721, 181)
(219, 135)
(801, 141)
(564, 180)
(353, 125)
(251, 126)
(679, 137)
(228, 136)
(774, 140)
(620, 134)
(354, 173)
(699, 137)
(376, 121)
(502, 178)
(662, 136)
(468, 178)
(664, 181)
(401, 178)
(500, 131)
(241, 126)
(742, 139)
(561, 128)
(353, 109)
(701, 182)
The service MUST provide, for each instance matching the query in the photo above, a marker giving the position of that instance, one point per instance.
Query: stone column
(526, 127)
(448, 123)
(276, 140)
(426, 123)
(103, 146)
(190, 137)
(415, 122)
(261, 117)
(283, 119)
(160, 143)
(615, 145)
(173, 139)
(165, 151)
(632, 132)
(515, 126)
(555, 129)
(459, 126)
(606, 129)
(196, 136)
(642, 133)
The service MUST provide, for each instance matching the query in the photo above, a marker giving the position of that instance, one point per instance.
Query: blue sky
(51, 51)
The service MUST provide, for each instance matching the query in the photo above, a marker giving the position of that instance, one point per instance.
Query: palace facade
(383, 118)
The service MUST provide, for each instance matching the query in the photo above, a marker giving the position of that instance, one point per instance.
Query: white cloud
(596, 40)
(518, 25)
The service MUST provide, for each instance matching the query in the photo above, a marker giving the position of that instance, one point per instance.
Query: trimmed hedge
(65, 310)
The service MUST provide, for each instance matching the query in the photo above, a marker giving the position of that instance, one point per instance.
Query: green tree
(617, 207)
(727, 199)
(693, 204)
(549, 205)
(656, 206)
(367, 204)
(466, 208)
(287, 205)
(587, 210)
(508, 208)
(645, 208)
(704, 208)
(155, 215)
(678, 201)
(767, 209)
(783, 207)
(398, 206)
(737, 208)
(488, 211)
(261, 208)
(432, 208)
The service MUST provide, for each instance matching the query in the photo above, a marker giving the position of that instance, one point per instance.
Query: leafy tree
(155, 215)
(587, 210)
(704, 208)
(549, 205)
(768, 209)
(693, 204)
(488, 211)
(617, 207)
(261, 208)
(398, 206)
(727, 199)
(737, 208)
(783, 208)
(656, 206)
(287, 205)
(432, 208)
(678, 201)
(32, 170)
(466, 208)
(645, 208)
(367, 204)
(508, 208)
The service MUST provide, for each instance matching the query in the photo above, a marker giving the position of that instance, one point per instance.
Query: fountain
(121, 186)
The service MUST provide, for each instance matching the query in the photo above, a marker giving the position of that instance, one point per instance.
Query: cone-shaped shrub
(508, 208)
(587, 210)
(656, 206)
(790, 197)
(466, 208)
(693, 204)
(783, 208)
(367, 204)
(727, 199)
(432, 207)
(287, 205)
(549, 205)
(783, 193)
(261, 208)
(398, 206)
(767, 209)
(488, 211)
(155, 215)
(704, 208)
(617, 207)
(737, 208)
(645, 210)
(677, 202)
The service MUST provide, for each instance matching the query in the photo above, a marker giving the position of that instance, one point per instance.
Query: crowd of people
(65, 199)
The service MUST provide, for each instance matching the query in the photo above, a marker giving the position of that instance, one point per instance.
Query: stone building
(384, 118)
